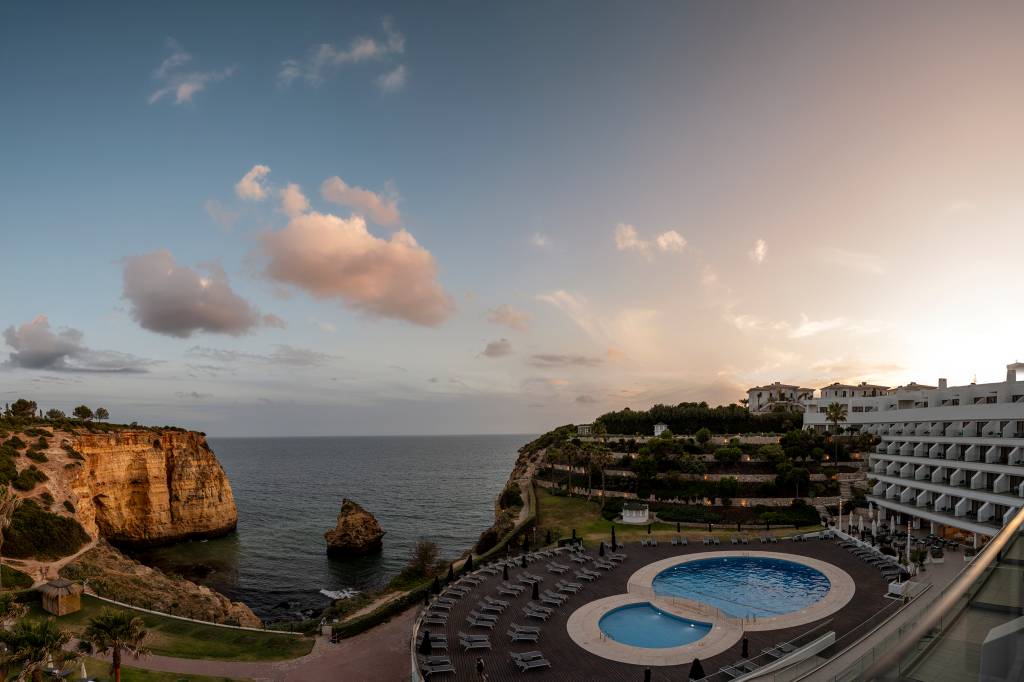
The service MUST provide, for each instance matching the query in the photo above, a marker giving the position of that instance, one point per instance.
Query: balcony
(892, 492)
(907, 470)
(1001, 484)
(1016, 456)
(939, 475)
(907, 449)
(1010, 513)
(892, 469)
(942, 503)
(992, 455)
(893, 448)
(881, 449)
(979, 480)
(924, 499)
(973, 453)
(879, 467)
(962, 508)
(937, 451)
(907, 495)
(921, 450)
(879, 488)
(921, 473)
(957, 478)
(986, 512)
(953, 452)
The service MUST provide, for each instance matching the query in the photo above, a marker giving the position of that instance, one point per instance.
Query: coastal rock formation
(141, 486)
(357, 532)
(115, 576)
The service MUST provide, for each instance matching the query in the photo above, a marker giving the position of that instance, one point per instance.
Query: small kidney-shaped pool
(745, 586)
(646, 626)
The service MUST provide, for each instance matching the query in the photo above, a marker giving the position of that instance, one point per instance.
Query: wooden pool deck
(571, 662)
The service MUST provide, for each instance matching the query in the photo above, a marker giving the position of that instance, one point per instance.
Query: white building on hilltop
(950, 456)
(660, 428)
(636, 513)
(778, 396)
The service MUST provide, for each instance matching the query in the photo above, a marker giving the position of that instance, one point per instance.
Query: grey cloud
(497, 349)
(291, 356)
(586, 399)
(555, 360)
(176, 300)
(36, 346)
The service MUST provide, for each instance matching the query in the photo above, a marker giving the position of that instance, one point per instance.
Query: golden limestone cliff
(144, 486)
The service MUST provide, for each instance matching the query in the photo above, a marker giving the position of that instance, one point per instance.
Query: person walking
(480, 668)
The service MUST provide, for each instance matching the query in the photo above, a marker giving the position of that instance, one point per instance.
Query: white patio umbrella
(860, 523)
(874, 527)
(85, 674)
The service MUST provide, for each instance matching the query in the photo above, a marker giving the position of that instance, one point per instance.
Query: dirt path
(378, 655)
(43, 571)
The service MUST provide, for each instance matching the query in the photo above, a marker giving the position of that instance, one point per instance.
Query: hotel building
(951, 456)
(775, 396)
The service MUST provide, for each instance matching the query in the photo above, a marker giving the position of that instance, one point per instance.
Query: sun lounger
(530, 613)
(518, 589)
(525, 628)
(442, 605)
(474, 623)
(716, 541)
(566, 588)
(430, 670)
(483, 616)
(508, 591)
(465, 635)
(489, 608)
(523, 636)
(675, 541)
(559, 598)
(730, 671)
(469, 644)
(460, 591)
(447, 600)
(525, 655)
(556, 569)
(539, 607)
(584, 576)
(774, 540)
(606, 565)
(498, 602)
(550, 601)
(534, 664)
(435, 620)
(654, 542)
(734, 540)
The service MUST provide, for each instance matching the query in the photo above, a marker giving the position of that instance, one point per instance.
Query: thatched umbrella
(696, 670)
(504, 572)
(536, 590)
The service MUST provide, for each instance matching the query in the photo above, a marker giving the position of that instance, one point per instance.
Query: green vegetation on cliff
(37, 533)
(689, 418)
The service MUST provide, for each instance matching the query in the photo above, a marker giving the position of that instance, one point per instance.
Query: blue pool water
(644, 625)
(745, 586)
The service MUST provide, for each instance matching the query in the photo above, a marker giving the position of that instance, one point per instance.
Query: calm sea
(289, 490)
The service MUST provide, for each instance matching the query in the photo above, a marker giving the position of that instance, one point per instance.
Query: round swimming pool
(745, 586)
(644, 625)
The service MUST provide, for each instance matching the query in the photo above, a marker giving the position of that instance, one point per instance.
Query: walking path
(380, 654)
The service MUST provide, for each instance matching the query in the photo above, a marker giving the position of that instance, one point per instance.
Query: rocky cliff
(148, 487)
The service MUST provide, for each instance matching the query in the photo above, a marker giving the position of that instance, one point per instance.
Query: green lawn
(172, 637)
(13, 579)
(101, 671)
(563, 514)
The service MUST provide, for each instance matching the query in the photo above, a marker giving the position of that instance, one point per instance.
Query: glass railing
(973, 631)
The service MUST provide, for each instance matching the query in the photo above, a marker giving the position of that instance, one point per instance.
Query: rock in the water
(357, 532)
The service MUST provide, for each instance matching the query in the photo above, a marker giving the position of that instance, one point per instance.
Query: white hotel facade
(949, 455)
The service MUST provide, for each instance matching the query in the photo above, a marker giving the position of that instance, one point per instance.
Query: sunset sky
(376, 218)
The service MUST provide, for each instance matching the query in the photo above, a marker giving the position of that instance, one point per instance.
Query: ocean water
(288, 492)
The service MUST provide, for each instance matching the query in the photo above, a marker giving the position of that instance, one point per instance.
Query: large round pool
(745, 586)
(644, 625)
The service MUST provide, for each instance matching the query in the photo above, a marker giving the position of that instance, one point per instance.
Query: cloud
(586, 400)
(805, 328)
(338, 258)
(176, 300)
(540, 240)
(628, 239)
(859, 261)
(393, 80)
(324, 58)
(251, 185)
(497, 349)
(809, 327)
(508, 316)
(193, 395)
(378, 209)
(220, 214)
(708, 276)
(759, 253)
(283, 354)
(293, 201)
(326, 327)
(555, 360)
(670, 241)
(36, 346)
(183, 84)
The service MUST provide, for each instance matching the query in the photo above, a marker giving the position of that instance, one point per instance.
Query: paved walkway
(380, 655)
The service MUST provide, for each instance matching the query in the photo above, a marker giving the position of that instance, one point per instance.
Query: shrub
(510, 497)
(47, 498)
(28, 478)
(37, 456)
(16, 442)
(70, 507)
(72, 453)
(36, 533)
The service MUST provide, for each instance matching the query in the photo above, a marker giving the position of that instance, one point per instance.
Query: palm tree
(9, 503)
(30, 643)
(117, 632)
(835, 413)
(602, 458)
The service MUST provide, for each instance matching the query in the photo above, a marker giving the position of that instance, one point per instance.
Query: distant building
(778, 396)
(584, 429)
(659, 429)
(861, 390)
(636, 512)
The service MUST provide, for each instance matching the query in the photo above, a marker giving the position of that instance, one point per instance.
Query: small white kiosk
(636, 512)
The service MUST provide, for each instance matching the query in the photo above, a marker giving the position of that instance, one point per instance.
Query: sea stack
(357, 532)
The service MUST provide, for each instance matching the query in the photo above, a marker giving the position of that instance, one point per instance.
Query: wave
(339, 594)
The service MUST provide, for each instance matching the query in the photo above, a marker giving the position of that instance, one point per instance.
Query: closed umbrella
(860, 523)
(504, 572)
(600, 550)
(85, 673)
(536, 591)
(425, 645)
(696, 670)
(874, 527)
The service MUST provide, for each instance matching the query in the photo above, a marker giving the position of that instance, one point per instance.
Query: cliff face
(149, 487)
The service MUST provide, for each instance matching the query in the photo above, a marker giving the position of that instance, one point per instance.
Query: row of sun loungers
(680, 541)
(432, 665)
(712, 540)
(648, 542)
(769, 540)
(739, 540)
